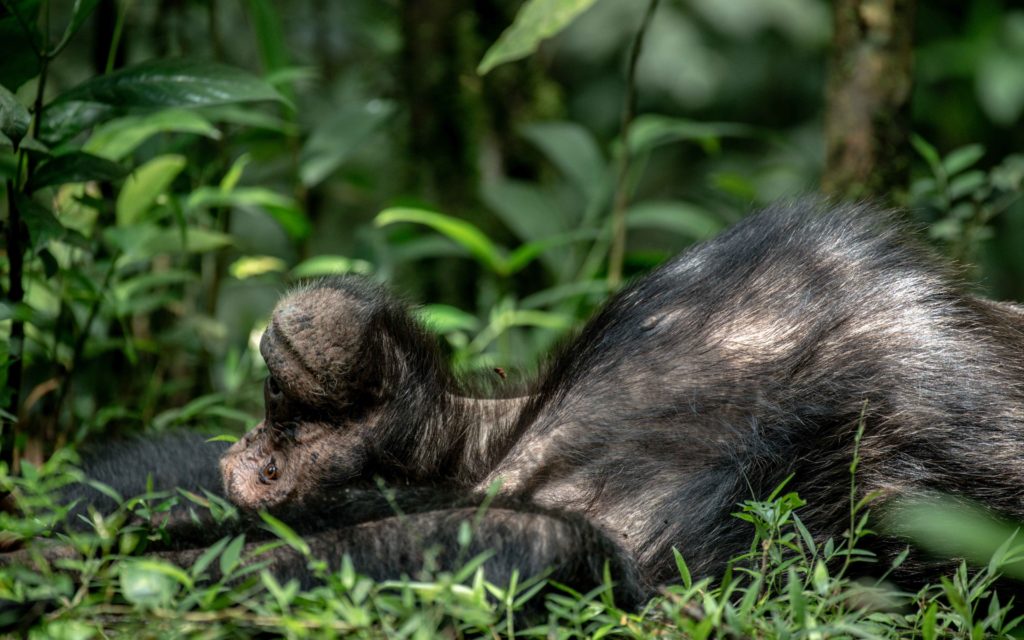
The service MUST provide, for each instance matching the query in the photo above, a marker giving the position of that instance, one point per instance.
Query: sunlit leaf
(249, 266)
(118, 138)
(330, 265)
(460, 231)
(281, 208)
(443, 318)
(536, 21)
(144, 185)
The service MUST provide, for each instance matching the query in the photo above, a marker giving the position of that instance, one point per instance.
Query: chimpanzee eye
(269, 472)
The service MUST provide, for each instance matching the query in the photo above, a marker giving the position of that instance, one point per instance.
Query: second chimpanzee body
(743, 361)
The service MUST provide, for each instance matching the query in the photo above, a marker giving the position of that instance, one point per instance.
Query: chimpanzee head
(335, 364)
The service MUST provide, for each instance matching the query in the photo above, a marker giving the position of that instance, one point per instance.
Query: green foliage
(536, 21)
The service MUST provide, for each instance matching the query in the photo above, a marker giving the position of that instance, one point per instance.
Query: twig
(618, 250)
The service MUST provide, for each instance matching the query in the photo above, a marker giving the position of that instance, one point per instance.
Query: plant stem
(618, 250)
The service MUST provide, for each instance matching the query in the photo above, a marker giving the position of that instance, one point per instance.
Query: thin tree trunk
(868, 99)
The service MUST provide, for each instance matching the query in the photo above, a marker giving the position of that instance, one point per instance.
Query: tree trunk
(868, 99)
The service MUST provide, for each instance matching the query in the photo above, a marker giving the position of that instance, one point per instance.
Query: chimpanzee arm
(565, 547)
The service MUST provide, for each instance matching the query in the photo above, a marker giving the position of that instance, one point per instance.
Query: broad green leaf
(281, 208)
(145, 240)
(63, 121)
(649, 131)
(250, 266)
(572, 149)
(330, 265)
(963, 158)
(335, 139)
(536, 21)
(19, 62)
(118, 138)
(443, 318)
(526, 209)
(76, 166)
(460, 231)
(684, 218)
(144, 185)
(41, 223)
(174, 82)
(14, 118)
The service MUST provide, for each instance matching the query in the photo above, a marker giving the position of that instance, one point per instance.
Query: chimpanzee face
(322, 398)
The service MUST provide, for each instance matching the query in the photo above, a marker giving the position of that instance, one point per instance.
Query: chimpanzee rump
(744, 360)
(708, 382)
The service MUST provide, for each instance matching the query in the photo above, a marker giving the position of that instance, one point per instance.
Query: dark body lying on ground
(743, 361)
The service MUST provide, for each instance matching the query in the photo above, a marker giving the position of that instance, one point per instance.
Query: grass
(785, 586)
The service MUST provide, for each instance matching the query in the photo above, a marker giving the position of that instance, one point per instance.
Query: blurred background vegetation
(158, 225)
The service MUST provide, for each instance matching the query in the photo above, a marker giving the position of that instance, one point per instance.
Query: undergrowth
(786, 585)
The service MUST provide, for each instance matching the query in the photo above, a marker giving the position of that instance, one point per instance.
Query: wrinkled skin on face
(321, 395)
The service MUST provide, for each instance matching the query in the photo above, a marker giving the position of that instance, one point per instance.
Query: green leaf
(150, 582)
(684, 218)
(174, 82)
(963, 158)
(281, 208)
(76, 166)
(65, 120)
(249, 266)
(536, 21)
(330, 265)
(206, 558)
(14, 118)
(524, 208)
(232, 555)
(41, 223)
(286, 533)
(525, 254)
(1000, 87)
(443, 318)
(928, 152)
(19, 62)
(460, 231)
(338, 137)
(575, 152)
(146, 183)
(649, 131)
(145, 240)
(118, 138)
(684, 571)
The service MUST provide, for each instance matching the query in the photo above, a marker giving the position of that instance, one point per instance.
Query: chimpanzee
(748, 359)
(745, 360)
